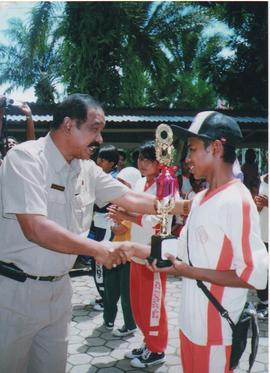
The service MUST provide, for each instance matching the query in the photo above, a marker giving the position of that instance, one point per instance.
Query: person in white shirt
(261, 201)
(147, 290)
(47, 191)
(219, 245)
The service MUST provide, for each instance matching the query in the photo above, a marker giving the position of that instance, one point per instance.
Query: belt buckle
(56, 278)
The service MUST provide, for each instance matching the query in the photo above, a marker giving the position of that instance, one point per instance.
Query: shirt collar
(57, 159)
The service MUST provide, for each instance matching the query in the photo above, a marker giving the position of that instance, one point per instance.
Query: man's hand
(175, 268)
(48, 234)
(112, 254)
(30, 127)
(109, 256)
(129, 249)
(116, 214)
(25, 109)
(261, 201)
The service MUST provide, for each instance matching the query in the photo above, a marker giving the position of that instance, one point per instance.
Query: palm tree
(123, 53)
(179, 28)
(109, 45)
(33, 58)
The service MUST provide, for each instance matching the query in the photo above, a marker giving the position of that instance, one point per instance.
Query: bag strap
(254, 341)
(223, 312)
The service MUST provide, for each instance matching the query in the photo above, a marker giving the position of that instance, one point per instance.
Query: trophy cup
(164, 242)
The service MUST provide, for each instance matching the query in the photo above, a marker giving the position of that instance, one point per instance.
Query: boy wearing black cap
(220, 245)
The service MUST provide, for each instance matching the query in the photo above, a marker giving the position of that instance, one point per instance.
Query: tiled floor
(92, 348)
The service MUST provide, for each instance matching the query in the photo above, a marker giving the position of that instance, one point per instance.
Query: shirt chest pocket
(81, 200)
(83, 209)
(56, 196)
(57, 206)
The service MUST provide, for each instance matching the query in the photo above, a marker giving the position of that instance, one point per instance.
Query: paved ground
(92, 348)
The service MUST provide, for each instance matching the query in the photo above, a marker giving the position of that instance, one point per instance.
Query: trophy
(164, 242)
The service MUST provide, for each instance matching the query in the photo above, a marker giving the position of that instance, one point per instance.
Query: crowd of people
(66, 195)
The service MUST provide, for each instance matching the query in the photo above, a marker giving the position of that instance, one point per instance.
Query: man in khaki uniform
(48, 188)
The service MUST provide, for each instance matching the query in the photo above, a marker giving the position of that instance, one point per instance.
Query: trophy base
(160, 246)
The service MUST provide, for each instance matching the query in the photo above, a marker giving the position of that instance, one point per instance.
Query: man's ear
(67, 125)
(217, 147)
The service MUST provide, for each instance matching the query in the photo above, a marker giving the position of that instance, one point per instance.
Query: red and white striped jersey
(223, 234)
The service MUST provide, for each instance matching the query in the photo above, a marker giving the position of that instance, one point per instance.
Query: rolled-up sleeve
(23, 187)
(107, 188)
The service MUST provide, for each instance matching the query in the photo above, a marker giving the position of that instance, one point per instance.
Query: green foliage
(248, 66)
(32, 58)
(134, 82)
(142, 54)
(116, 50)
(91, 49)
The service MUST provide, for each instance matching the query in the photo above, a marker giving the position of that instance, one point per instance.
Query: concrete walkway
(92, 348)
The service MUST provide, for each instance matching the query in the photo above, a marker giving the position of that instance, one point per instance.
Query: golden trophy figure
(164, 242)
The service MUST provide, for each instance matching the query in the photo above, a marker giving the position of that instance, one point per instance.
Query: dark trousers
(98, 234)
(116, 285)
(98, 271)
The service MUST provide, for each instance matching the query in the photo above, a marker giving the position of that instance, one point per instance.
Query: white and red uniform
(223, 234)
(147, 289)
(264, 222)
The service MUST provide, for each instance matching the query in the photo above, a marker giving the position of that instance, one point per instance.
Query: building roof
(141, 118)
(133, 126)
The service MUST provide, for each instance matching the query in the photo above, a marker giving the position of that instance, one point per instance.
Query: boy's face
(148, 167)
(11, 143)
(106, 165)
(199, 158)
(121, 162)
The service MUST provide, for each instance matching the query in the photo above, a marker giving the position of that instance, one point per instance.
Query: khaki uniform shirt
(36, 179)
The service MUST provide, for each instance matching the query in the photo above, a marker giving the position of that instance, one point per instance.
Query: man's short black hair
(109, 153)
(75, 107)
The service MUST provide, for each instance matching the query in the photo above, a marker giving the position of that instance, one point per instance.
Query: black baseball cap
(211, 125)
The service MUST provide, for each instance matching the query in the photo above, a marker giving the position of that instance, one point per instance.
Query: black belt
(12, 271)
